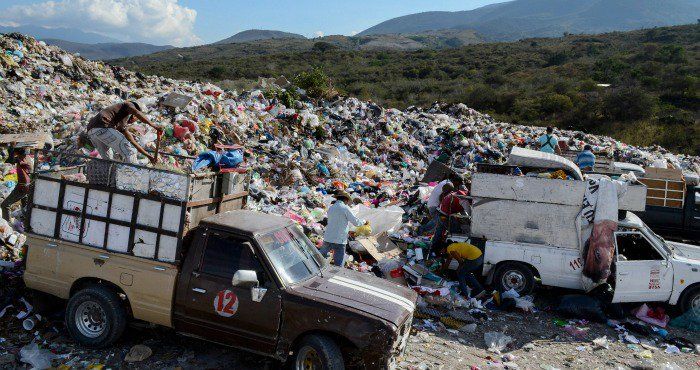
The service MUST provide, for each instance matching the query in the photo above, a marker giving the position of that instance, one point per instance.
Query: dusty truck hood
(361, 292)
(688, 251)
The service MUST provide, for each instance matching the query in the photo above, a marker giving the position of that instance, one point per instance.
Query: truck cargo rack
(126, 208)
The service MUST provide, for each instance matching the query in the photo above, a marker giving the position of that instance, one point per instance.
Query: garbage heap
(298, 152)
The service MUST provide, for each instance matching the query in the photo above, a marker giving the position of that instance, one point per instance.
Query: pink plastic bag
(648, 315)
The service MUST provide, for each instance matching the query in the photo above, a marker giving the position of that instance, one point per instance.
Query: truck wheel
(316, 352)
(95, 317)
(690, 300)
(514, 275)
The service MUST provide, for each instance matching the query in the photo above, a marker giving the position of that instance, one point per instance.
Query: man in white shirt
(434, 202)
(336, 236)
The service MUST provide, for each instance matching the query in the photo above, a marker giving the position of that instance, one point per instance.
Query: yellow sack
(364, 230)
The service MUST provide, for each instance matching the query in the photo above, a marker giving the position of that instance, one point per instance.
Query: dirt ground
(538, 343)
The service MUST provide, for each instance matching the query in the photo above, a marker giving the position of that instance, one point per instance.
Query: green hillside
(654, 78)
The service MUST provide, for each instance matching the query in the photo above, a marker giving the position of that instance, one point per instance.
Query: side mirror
(245, 278)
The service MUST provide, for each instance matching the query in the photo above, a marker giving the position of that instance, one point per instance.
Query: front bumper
(384, 351)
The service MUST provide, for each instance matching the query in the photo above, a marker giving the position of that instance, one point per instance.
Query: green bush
(316, 83)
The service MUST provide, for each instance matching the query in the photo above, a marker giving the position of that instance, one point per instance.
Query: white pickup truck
(531, 227)
(646, 268)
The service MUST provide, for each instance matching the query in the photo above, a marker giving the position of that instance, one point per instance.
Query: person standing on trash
(109, 130)
(336, 236)
(586, 159)
(452, 203)
(549, 143)
(435, 199)
(24, 166)
(470, 259)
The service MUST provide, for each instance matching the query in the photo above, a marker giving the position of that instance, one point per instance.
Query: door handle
(159, 268)
(623, 273)
(51, 245)
(195, 274)
(198, 290)
(103, 256)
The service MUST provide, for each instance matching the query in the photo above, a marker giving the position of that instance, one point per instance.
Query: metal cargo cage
(125, 208)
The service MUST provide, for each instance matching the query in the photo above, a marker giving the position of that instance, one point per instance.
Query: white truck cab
(646, 268)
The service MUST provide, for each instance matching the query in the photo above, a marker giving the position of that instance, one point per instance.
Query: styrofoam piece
(43, 222)
(122, 207)
(144, 244)
(70, 228)
(94, 233)
(168, 248)
(118, 238)
(533, 158)
(149, 213)
(46, 193)
(528, 189)
(97, 203)
(171, 217)
(551, 191)
(526, 222)
(73, 198)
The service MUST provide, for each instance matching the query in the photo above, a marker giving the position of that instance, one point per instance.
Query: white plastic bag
(496, 341)
(37, 358)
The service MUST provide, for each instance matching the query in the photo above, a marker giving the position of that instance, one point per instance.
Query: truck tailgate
(54, 266)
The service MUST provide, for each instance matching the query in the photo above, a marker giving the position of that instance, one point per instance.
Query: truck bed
(57, 266)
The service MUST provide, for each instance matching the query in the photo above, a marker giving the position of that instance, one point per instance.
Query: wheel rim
(90, 319)
(308, 359)
(695, 304)
(513, 279)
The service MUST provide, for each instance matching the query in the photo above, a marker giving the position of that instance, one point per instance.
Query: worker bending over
(109, 130)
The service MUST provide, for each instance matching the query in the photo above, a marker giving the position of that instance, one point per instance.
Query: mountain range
(90, 45)
(520, 19)
(68, 34)
(508, 21)
(109, 50)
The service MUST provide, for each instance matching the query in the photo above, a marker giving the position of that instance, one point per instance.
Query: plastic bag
(496, 341)
(655, 317)
(37, 358)
(582, 307)
(689, 320)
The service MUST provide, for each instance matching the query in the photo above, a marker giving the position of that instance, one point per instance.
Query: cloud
(154, 21)
(319, 33)
(353, 33)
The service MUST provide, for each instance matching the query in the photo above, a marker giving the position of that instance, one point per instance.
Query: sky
(194, 22)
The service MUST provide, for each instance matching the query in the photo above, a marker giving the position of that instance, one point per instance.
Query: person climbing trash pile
(109, 131)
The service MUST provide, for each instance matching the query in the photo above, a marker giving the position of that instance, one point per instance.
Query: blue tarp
(214, 159)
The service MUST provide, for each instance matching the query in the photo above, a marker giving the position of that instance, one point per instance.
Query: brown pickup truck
(247, 280)
(240, 278)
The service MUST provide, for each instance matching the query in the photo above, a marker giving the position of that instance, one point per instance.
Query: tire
(514, 275)
(317, 352)
(95, 317)
(690, 300)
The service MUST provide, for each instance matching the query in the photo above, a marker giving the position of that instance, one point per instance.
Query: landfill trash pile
(297, 157)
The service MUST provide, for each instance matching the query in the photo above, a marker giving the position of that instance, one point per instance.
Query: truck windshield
(291, 254)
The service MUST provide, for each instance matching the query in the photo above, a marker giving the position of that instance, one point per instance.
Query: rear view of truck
(101, 231)
(673, 204)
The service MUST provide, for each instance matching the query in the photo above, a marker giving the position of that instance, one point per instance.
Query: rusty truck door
(213, 309)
